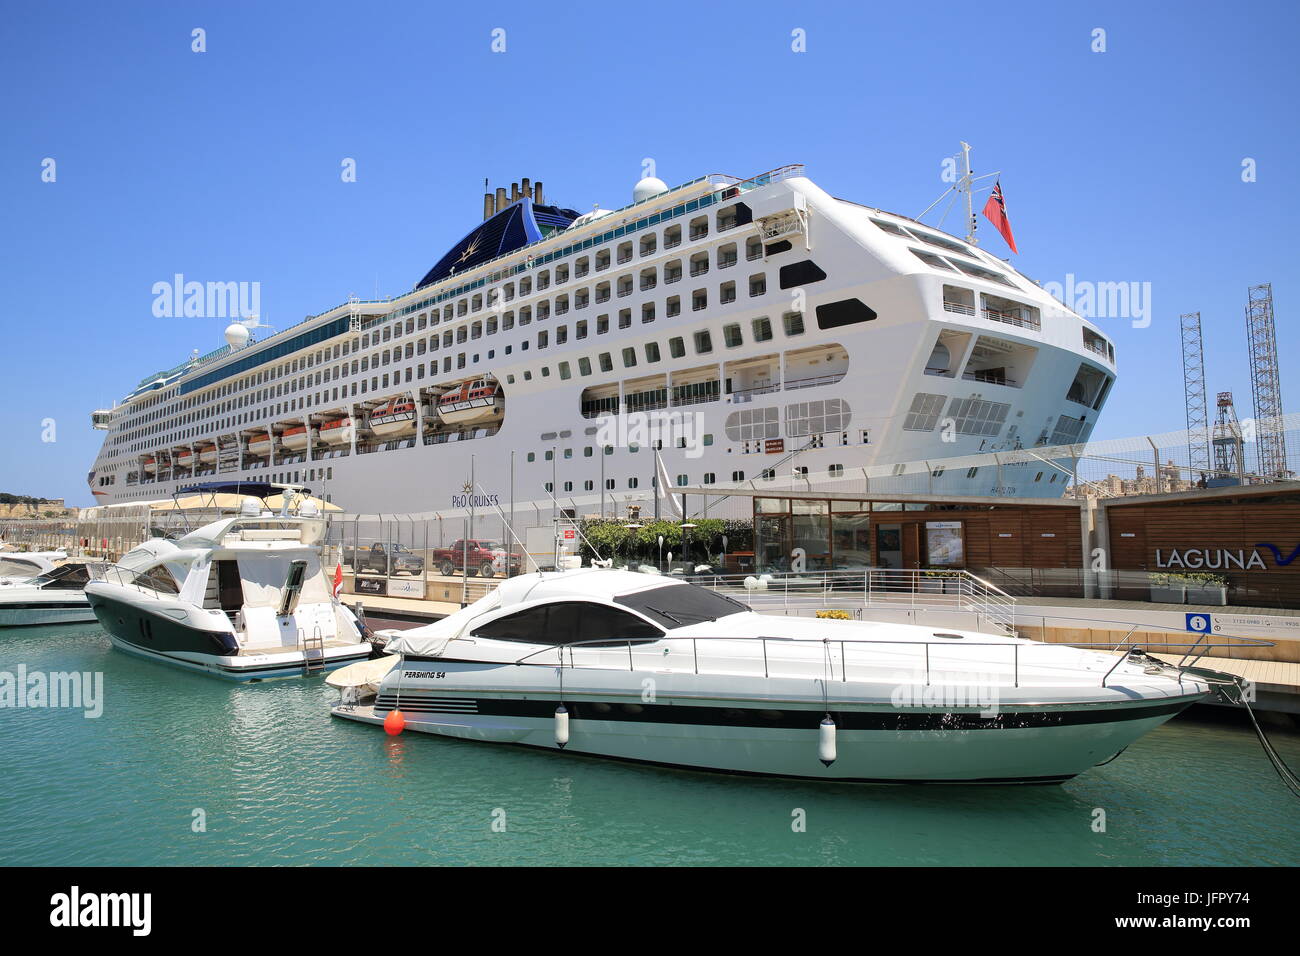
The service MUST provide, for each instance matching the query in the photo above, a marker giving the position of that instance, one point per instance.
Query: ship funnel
(514, 192)
(525, 189)
(488, 203)
(537, 192)
(501, 198)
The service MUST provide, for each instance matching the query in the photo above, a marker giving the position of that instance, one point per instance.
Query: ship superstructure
(750, 319)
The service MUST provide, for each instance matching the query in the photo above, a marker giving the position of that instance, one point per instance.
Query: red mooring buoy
(394, 723)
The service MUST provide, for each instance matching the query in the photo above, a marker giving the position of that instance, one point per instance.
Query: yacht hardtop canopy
(670, 604)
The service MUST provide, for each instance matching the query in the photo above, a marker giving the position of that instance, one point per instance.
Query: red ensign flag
(995, 211)
(338, 578)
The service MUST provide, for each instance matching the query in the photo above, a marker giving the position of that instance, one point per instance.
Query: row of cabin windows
(701, 343)
(647, 244)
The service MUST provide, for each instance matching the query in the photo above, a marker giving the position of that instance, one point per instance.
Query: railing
(1011, 318)
(848, 588)
(958, 307)
(812, 382)
(989, 670)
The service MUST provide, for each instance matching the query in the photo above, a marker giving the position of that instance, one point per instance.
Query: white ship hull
(762, 387)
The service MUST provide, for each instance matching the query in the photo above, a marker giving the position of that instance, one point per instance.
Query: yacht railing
(920, 663)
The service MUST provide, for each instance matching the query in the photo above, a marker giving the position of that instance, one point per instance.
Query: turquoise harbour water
(283, 783)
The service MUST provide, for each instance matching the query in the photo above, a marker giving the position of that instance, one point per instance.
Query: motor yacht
(244, 597)
(643, 668)
(34, 590)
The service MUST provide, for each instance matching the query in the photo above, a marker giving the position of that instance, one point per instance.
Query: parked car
(481, 556)
(384, 558)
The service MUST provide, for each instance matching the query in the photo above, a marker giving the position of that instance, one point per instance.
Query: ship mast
(965, 186)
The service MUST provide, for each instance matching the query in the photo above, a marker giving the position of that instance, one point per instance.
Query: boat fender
(561, 726)
(394, 723)
(826, 741)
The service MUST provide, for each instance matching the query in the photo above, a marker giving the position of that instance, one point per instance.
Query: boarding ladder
(313, 651)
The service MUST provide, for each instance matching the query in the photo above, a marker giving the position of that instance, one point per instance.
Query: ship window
(930, 259)
(800, 273)
(924, 412)
(703, 342)
(606, 362)
(762, 329)
(793, 322)
(731, 335)
(677, 346)
(981, 273)
(832, 315)
(568, 622)
(891, 228)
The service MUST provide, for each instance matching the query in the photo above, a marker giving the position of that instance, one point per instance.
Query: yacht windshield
(679, 605)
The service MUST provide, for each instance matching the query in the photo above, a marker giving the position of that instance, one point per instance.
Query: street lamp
(686, 527)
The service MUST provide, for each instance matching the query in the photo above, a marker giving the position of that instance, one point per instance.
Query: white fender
(561, 726)
(826, 741)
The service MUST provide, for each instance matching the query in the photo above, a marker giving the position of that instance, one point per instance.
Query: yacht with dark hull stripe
(632, 667)
(33, 590)
(244, 597)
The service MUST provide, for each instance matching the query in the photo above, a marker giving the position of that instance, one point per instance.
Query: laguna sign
(1222, 559)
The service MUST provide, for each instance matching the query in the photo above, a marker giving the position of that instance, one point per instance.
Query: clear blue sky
(224, 165)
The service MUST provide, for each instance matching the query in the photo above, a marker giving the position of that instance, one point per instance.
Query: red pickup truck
(483, 557)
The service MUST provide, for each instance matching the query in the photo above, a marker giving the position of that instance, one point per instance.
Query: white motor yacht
(244, 597)
(643, 668)
(34, 590)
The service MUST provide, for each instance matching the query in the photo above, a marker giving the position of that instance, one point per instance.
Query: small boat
(394, 419)
(33, 590)
(208, 453)
(150, 465)
(243, 598)
(475, 401)
(260, 445)
(295, 439)
(185, 458)
(336, 432)
(644, 668)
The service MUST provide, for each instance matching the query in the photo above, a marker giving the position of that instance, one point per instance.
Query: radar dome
(650, 186)
(236, 335)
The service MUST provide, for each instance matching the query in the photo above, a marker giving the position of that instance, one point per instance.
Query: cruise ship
(708, 334)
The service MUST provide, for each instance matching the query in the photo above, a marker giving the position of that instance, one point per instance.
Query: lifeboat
(337, 432)
(208, 453)
(150, 465)
(185, 458)
(475, 401)
(260, 444)
(295, 439)
(394, 419)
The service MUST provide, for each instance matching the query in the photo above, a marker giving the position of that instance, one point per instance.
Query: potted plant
(1167, 588)
(939, 581)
